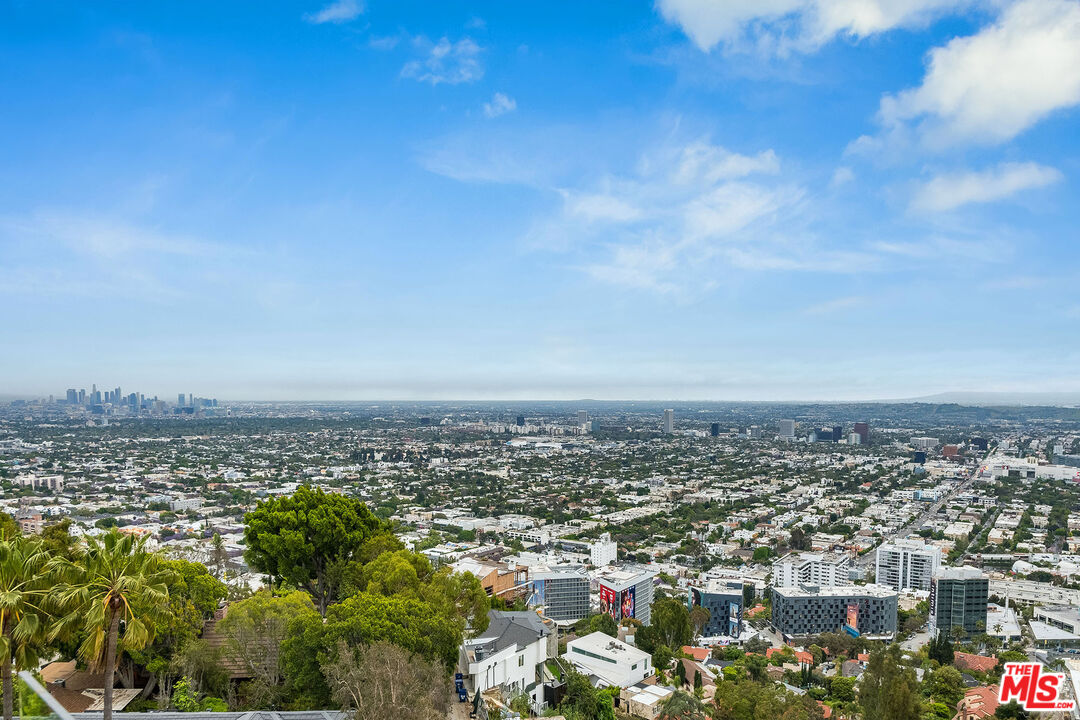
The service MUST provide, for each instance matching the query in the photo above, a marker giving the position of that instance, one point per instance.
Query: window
(521, 660)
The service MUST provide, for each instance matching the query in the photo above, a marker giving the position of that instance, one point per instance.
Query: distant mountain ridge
(1043, 399)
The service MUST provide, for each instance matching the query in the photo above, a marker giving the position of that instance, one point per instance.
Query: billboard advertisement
(851, 624)
(608, 602)
(627, 604)
(695, 597)
(537, 593)
(733, 619)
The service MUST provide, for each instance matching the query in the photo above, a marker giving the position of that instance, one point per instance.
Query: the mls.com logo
(1033, 689)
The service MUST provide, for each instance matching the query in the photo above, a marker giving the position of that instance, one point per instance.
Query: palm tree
(24, 592)
(115, 577)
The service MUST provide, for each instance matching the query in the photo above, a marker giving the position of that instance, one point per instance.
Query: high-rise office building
(863, 431)
(837, 433)
(907, 564)
(787, 429)
(180, 400)
(669, 421)
(521, 421)
(582, 417)
(958, 597)
(72, 396)
(714, 429)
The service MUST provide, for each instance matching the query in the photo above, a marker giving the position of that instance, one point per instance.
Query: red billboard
(609, 602)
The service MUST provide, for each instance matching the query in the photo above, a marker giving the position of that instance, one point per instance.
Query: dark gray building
(811, 610)
(958, 598)
(724, 601)
(563, 594)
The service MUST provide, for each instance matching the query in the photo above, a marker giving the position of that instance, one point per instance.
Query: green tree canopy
(298, 539)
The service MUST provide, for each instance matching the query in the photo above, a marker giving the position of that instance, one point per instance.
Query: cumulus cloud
(341, 11)
(951, 190)
(800, 25)
(500, 104)
(446, 62)
(989, 87)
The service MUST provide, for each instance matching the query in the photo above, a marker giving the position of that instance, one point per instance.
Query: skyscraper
(787, 429)
(521, 421)
(180, 400)
(669, 421)
(582, 417)
(714, 429)
(863, 431)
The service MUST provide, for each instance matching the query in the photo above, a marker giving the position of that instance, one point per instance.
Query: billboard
(608, 602)
(851, 624)
(538, 587)
(733, 619)
(627, 604)
(695, 597)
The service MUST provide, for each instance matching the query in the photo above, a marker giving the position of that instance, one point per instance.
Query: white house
(611, 661)
(510, 655)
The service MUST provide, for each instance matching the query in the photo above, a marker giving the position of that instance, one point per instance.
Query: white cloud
(781, 26)
(991, 86)
(340, 11)
(951, 190)
(446, 62)
(842, 176)
(500, 104)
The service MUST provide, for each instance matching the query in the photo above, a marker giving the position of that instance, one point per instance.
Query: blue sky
(754, 199)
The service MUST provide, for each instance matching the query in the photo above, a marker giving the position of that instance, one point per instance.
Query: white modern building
(825, 569)
(626, 592)
(669, 421)
(611, 661)
(907, 564)
(510, 655)
(604, 551)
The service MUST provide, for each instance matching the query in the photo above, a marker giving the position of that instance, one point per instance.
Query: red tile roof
(701, 654)
(970, 661)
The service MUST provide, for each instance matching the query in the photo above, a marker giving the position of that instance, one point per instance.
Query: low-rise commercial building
(611, 661)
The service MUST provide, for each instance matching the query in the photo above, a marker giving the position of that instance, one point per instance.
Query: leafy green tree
(682, 706)
(661, 657)
(842, 689)
(940, 649)
(297, 539)
(889, 690)
(671, 621)
(604, 623)
(24, 612)
(8, 527)
(114, 577)
(408, 622)
(944, 685)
